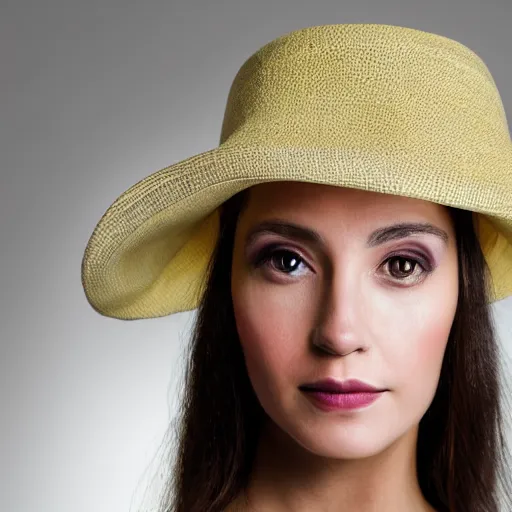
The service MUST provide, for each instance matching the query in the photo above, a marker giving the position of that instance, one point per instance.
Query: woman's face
(335, 308)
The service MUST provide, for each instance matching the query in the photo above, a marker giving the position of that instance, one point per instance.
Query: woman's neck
(287, 477)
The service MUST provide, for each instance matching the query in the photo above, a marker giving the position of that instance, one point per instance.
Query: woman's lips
(335, 401)
(341, 386)
(331, 394)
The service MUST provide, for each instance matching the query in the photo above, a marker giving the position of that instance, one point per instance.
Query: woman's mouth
(330, 394)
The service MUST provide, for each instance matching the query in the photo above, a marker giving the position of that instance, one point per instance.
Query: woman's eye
(398, 267)
(404, 268)
(280, 260)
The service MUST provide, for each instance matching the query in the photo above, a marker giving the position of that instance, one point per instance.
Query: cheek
(272, 326)
(420, 347)
(430, 348)
(418, 326)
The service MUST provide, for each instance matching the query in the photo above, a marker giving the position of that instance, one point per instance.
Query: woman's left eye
(405, 268)
(400, 267)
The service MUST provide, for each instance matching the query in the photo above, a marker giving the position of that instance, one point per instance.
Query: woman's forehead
(331, 214)
(297, 198)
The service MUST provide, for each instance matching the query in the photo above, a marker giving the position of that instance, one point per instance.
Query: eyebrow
(377, 237)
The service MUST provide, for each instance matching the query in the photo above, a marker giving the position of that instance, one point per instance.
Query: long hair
(461, 452)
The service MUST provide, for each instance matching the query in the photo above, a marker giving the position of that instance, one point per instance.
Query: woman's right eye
(280, 260)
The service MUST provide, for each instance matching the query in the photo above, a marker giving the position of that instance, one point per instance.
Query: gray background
(95, 96)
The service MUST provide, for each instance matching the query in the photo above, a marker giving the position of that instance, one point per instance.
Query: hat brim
(148, 253)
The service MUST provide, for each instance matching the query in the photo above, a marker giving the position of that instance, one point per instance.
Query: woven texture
(375, 107)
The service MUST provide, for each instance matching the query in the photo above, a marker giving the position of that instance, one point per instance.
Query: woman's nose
(340, 327)
(339, 343)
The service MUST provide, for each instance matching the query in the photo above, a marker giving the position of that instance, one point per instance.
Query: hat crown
(367, 86)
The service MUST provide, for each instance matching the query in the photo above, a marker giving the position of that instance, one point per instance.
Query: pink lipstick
(331, 394)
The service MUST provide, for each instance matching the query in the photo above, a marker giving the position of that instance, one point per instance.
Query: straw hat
(375, 107)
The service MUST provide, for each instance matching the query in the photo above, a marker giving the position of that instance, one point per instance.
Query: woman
(342, 245)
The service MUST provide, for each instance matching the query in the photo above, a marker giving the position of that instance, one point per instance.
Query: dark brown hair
(461, 451)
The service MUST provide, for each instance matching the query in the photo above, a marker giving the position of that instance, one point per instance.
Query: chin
(343, 442)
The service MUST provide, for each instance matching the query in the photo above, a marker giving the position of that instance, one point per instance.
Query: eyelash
(268, 253)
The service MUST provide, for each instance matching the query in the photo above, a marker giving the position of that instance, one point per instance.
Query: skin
(341, 311)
